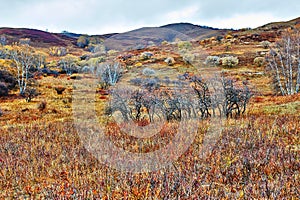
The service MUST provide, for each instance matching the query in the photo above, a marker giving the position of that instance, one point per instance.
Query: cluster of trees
(190, 98)
(68, 64)
(26, 61)
(58, 51)
(93, 43)
(284, 63)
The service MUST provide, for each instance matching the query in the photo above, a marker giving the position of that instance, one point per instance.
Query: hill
(142, 37)
(195, 31)
(37, 38)
(280, 25)
(146, 36)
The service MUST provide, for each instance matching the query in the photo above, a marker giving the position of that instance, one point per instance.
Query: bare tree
(24, 59)
(178, 102)
(109, 74)
(40, 60)
(202, 91)
(284, 63)
(236, 97)
(221, 94)
(68, 64)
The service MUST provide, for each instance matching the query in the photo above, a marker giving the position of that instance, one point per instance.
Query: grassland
(256, 156)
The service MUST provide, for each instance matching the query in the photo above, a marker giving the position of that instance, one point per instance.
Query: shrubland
(255, 156)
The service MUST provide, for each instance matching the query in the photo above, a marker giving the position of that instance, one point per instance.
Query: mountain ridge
(143, 35)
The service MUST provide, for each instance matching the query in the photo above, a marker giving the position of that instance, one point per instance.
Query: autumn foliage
(256, 155)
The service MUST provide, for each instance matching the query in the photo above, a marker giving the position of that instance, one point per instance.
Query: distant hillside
(142, 37)
(146, 36)
(280, 25)
(155, 35)
(37, 38)
(195, 31)
(70, 34)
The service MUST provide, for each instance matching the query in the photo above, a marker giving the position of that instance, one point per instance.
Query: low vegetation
(225, 78)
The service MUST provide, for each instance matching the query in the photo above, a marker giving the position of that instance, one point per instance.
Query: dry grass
(256, 156)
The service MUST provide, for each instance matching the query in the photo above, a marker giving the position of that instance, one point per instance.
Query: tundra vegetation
(256, 98)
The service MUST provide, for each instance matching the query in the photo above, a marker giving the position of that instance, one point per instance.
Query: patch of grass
(291, 108)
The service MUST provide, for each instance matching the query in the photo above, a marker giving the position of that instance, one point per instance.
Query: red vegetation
(38, 38)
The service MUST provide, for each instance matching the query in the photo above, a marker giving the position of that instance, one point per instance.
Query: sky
(116, 16)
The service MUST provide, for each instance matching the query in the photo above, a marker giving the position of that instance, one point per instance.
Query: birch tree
(68, 64)
(284, 63)
(109, 74)
(24, 59)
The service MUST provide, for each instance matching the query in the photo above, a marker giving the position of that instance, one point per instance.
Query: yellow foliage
(4, 63)
(228, 36)
(138, 64)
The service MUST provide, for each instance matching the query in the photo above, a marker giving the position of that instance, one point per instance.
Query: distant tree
(231, 100)
(58, 51)
(82, 41)
(40, 60)
(94, 40)
(68, 64)
(284, 63)
(219, 38)
(97, 48)
(3, 52)
(24, 41)
(202, 92)
(3, 40)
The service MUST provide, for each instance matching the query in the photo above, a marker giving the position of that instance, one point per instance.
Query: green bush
(146, 55)
(184, 45)
(189, 58)
(212, 60)
(259, 61)
(265, 44)
(229, 61)
(170, 61)
(82, 41)
(148, 72)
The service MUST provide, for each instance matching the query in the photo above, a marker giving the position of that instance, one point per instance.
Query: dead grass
(256, 156)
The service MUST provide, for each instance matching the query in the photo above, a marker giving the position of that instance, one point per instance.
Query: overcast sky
(108, 16)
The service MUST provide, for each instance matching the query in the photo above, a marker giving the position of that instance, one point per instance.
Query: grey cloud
(228, 8)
